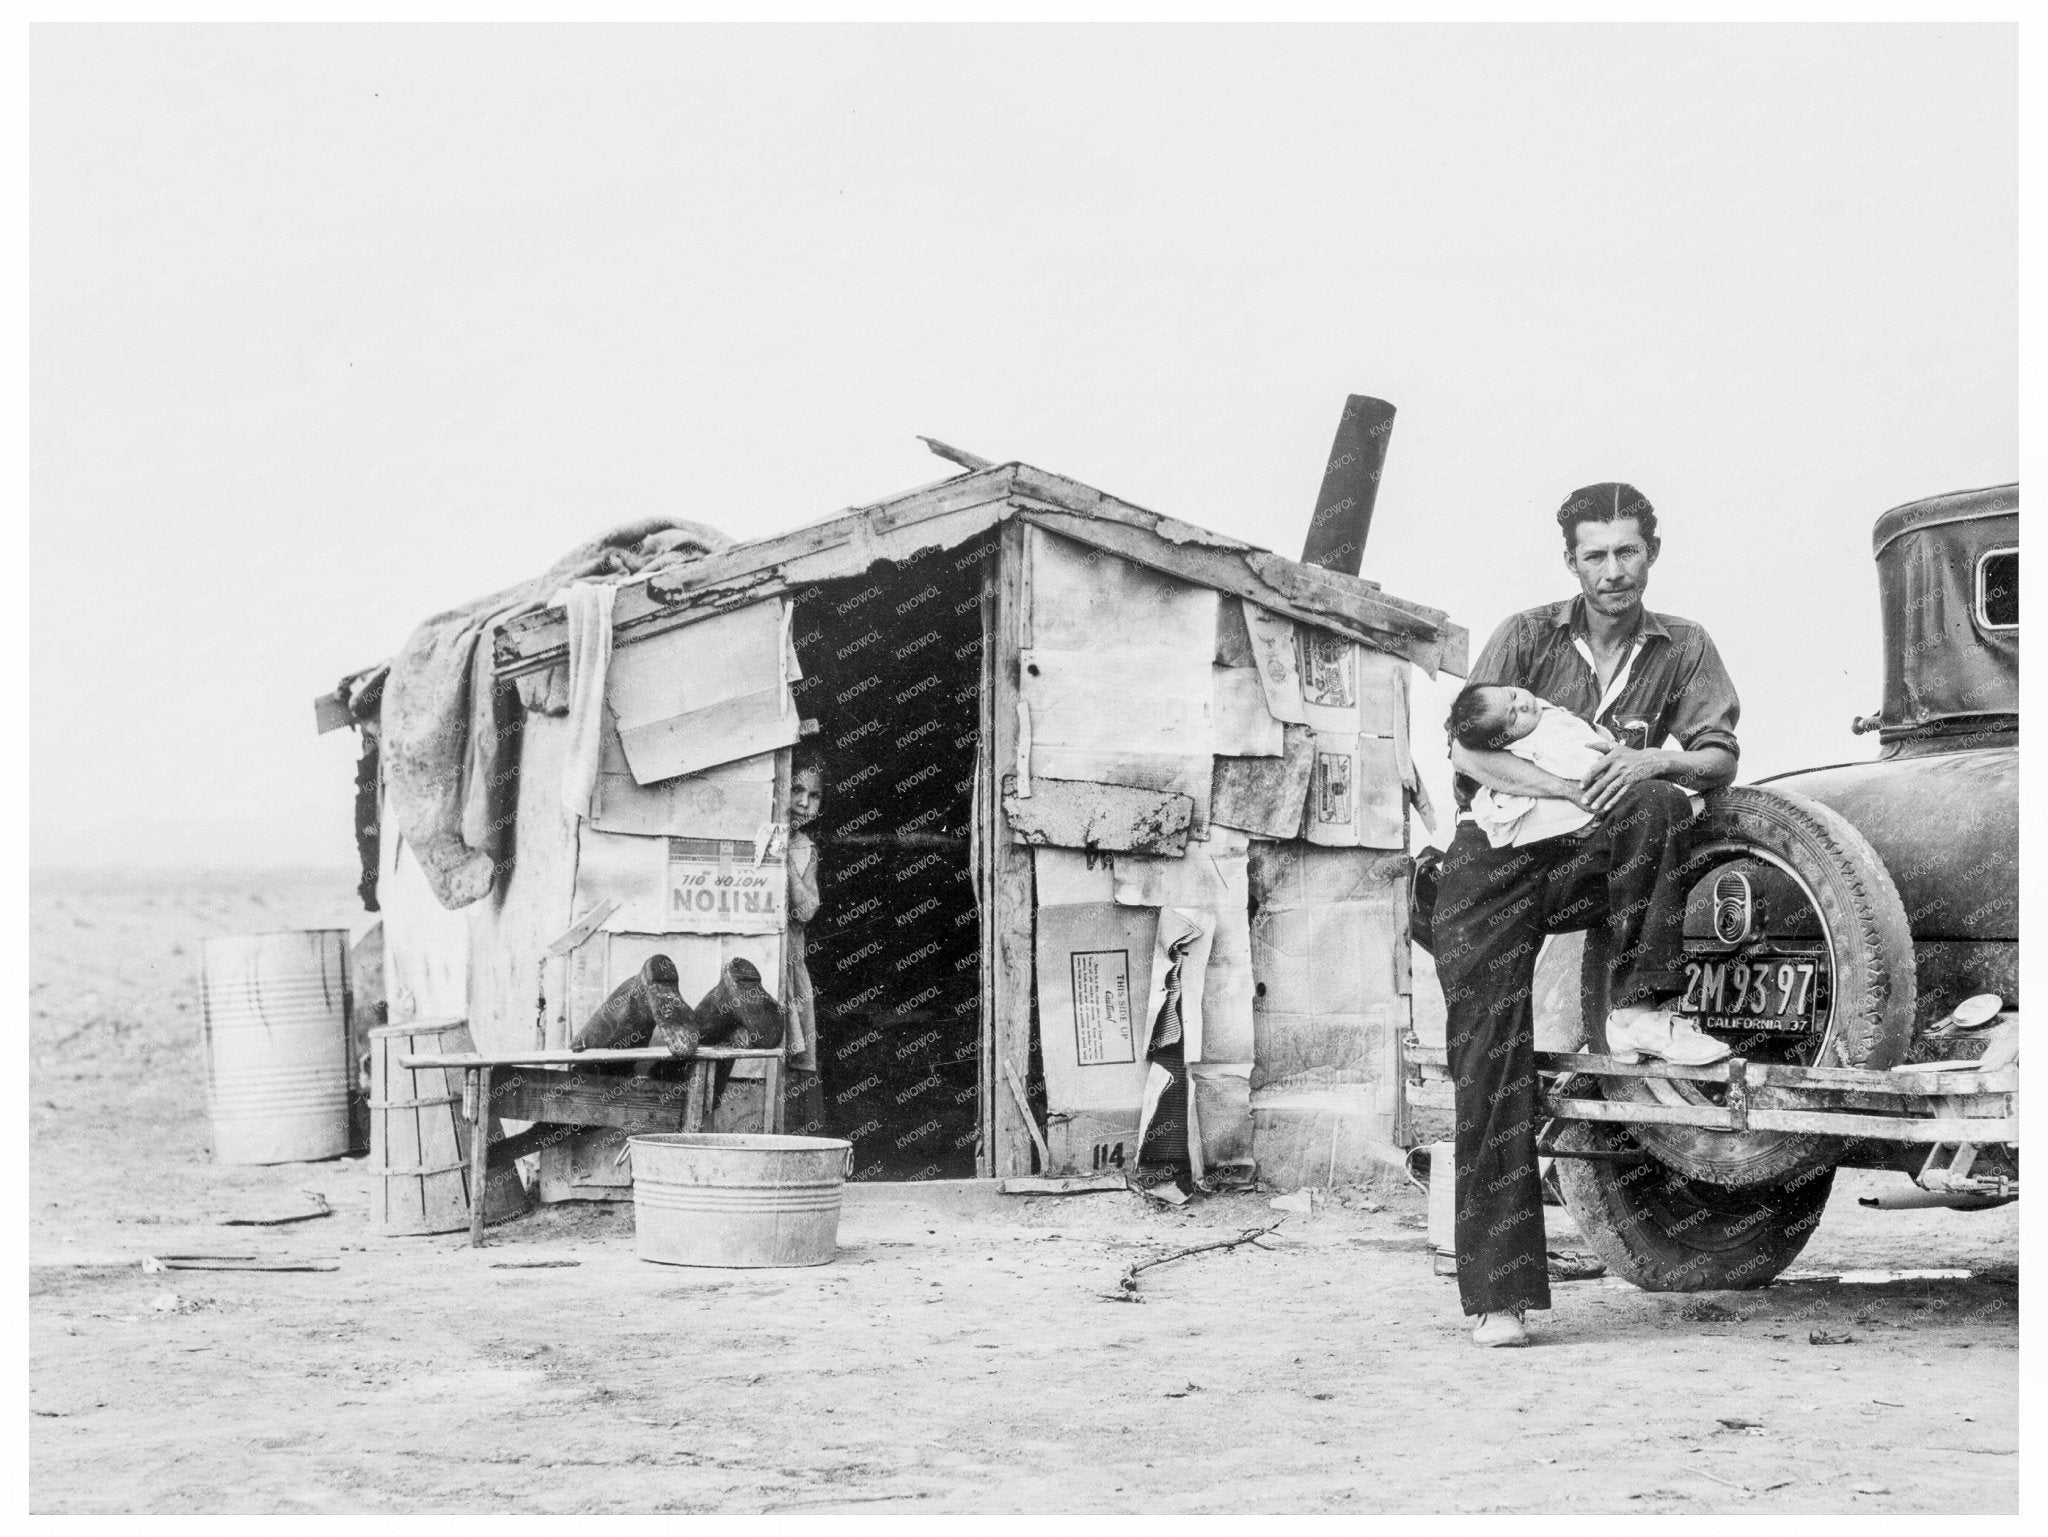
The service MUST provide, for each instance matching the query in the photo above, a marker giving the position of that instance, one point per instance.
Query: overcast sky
(336, 327)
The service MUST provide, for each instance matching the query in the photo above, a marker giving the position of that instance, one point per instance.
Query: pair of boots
(647, 1009)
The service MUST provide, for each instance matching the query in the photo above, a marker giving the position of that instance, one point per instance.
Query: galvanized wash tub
(738, 1202)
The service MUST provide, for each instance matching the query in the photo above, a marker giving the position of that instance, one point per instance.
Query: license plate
(1759, 992)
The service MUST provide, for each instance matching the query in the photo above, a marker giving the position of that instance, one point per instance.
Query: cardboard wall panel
(1091, 1141)
(513, 988)
(1293, 875)
(1066, 877)
(1223, 1111)
(1354, 700)
(426, 947)
(1302, 1049)
(1082, 597)
(1331, 1000)
(1116, 681)
(1094, 964)
(1334, 959)
(681, 885)
(1325, 1135)
(726, 800)
(705, 694)
(1266, 797)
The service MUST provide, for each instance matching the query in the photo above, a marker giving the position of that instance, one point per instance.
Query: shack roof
(951, 512)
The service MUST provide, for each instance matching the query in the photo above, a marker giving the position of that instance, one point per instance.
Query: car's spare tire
(1667, 1232)
(1820, 891)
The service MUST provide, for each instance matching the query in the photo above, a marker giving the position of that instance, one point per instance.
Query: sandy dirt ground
(964, 1353)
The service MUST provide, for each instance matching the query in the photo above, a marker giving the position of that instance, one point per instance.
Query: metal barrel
(275, 1016)
(737, 1202)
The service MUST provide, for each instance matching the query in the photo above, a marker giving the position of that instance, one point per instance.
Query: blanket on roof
(446, 728)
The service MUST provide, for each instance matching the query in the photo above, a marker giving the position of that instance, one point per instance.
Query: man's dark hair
(1471, 722)
(808, 758)
(1604, 503)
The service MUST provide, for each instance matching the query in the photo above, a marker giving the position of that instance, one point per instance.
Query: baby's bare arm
(1505, 772)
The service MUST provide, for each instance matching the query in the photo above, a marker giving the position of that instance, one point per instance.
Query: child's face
(1513, 716)
(806, 796)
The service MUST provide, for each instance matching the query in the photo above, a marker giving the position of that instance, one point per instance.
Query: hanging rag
(1174, 1034)
(450, 733)
(366, 821)
(1180, 956)
(589, 606)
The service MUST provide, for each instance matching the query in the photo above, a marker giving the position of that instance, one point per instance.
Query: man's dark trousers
(1493, 908)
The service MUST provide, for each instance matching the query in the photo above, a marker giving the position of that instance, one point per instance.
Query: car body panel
(1944, 665)
(1946, 826)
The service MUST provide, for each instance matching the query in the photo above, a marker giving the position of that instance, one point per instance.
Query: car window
(1998, 589)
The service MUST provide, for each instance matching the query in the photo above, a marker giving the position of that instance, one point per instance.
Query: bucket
(738, 1202)
(1443, 1208)
(275, 1010)
(419, 1143)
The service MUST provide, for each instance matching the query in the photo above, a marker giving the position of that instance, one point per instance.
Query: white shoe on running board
(1633, 1033)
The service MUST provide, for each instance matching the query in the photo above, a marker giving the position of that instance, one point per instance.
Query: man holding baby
(1571, 814)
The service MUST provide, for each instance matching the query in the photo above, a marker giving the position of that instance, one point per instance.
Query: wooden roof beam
(951, 512)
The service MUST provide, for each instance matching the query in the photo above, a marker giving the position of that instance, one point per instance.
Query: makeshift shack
(1112, 854)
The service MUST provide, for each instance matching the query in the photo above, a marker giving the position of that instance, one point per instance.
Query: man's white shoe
(1500, 1329)
(1639, 1031)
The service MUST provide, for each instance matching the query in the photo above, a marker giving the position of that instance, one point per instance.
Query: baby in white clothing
(1500, 717)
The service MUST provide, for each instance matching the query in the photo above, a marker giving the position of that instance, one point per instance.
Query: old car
(1852, 932)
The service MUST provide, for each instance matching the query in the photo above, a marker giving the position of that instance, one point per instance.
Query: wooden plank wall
(1007, 905)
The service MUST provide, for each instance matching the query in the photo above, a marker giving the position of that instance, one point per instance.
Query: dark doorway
(891, 667)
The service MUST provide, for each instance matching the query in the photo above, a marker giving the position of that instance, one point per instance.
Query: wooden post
(1030, 1125)
(698, 1095)
(1006, 911)
(771, 1092)
(476, 1105)
(987, 780)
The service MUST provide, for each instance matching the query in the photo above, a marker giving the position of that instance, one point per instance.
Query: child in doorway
(803, 1096)
(806, 800)
(1499, 717)
(803, 1101)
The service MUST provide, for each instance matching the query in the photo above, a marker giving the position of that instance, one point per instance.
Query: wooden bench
(553, 1089)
